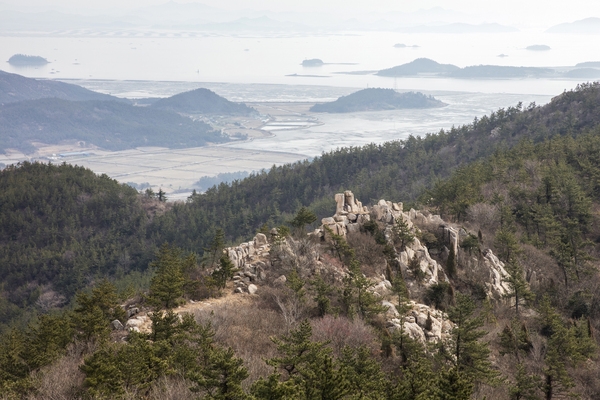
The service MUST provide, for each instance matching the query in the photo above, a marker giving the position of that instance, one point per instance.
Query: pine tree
(47, 339)
(95, 311)
(273, 388)
(468, 356)
(526, 386)
(416, 379)
(566, 346)
(322, 293)
(356, 296)
(13, 367)
(402, 234)
(167, 285)
(507, 245)
(514, 339)
(453, 385)
(217, 244)
(297, 350)
(161, 195)
(224, 272)
(339, 246)
(303, 217)
(364, 374)
(223, 376)
(517, 284)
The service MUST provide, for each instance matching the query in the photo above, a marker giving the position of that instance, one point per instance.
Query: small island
(22, 60)
(418, 66)
(588, 64)
(403, 46)
(538, 47)
(583, 73)
(377, 99)
(313, 62)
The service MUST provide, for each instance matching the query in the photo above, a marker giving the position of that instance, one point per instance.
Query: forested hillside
(396, 170)
(61, 229)
(202, 101)
(107, 124)
(15, 87)
(498, 298)
(374, 99)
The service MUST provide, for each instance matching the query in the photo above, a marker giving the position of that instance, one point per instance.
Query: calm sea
(151, 55)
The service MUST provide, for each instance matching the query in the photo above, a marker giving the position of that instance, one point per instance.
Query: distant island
(498, 71)
(583, 26)
(202, 101)
(588, 64)
(425, 66)
(376, 99)
(458, 27)
(538, 47)
(313, 62)
(418, 66)
(22, 60)
(403, 46)
(583, 73)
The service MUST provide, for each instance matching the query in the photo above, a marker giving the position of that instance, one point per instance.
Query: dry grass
(63, 379)
(248, 330)
(342, 332)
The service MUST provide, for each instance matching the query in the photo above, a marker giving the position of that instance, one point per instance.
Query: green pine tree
(517, 285)
(469, 357)
(224, 271)
(168, 283)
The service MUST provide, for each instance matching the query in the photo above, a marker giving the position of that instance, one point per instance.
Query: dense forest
(520, 186)
(63, 228)
(393, 170)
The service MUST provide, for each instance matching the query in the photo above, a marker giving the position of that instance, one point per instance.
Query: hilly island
(458, 265)
(376, 99)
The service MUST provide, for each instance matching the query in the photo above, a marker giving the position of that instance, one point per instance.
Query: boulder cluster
(420, 321)
(249, 259)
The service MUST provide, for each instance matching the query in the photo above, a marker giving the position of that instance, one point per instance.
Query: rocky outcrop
(489, 270)
(420, 322)
(351, 215)
(251, 260)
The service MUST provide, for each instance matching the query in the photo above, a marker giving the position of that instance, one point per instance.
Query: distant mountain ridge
(375, 99)
(418, 66)
(202, 101)
(459, 28)
(426, 66)
(106, 124)
(586, 26)
(15, 87)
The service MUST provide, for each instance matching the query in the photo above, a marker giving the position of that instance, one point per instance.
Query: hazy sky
(581, 7)
(534, 12)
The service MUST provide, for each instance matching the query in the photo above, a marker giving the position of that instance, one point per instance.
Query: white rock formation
(414, 322)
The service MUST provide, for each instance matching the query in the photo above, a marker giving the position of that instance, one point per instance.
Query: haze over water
(202, 57)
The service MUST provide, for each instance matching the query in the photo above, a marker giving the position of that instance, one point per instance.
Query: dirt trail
(228, 298)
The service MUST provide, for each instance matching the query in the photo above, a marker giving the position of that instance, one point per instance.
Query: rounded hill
(376, 99)
(202, 101)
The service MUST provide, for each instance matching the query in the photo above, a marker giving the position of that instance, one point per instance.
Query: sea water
(186, 56)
